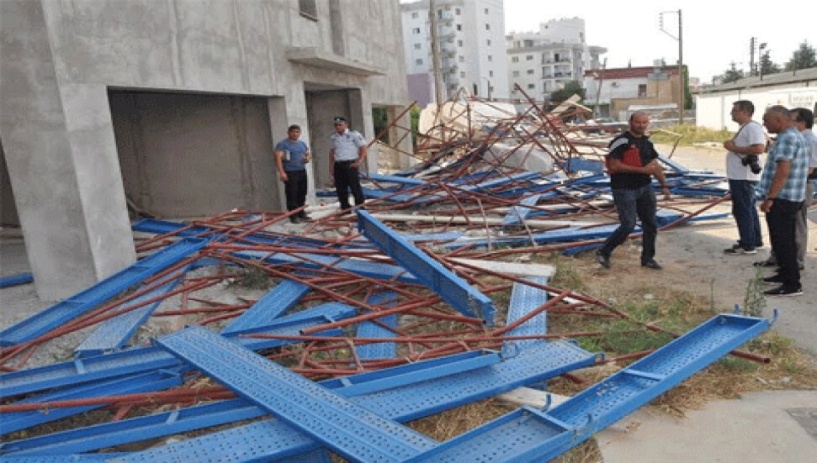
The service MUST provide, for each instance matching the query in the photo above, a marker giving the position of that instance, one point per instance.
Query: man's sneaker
(783, 291)
(652, 264)
(773, 279)
(602, 259)
(738, 250)
(765, 263)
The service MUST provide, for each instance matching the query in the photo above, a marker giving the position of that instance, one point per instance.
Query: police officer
(347, 154)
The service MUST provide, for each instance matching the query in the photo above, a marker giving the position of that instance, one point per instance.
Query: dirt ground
(693, 260)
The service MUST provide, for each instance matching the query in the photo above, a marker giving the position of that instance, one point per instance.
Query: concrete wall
(712, 110)
(57, 128)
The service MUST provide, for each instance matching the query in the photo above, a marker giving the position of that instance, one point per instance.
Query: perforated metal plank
(519, 213)
(275, 303)
(524, 299)
(228, 411)
(510, 438)
(602, 404)
(316, 261)
(263, 441)
(65, 311)
(553, 236)
(350, 430)
(143, 359)
(378, 350)
(502, 180)
(451, 288)
(395, 179)
(113, 333)
(58, 458)
(154, 381)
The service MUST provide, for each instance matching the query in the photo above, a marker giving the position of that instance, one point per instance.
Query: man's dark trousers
(346, 178)
(295, 189)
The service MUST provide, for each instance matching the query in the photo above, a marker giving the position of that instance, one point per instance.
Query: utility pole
(435, 54)
(681, 80)
(596, 112)
(752, 69)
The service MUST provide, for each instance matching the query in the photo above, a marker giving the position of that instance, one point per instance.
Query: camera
(753, 161)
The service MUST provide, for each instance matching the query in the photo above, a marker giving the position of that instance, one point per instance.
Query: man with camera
(743, 171)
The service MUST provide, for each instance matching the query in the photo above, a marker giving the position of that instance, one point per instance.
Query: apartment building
(473, 58)
(542, 62)
(173, 107)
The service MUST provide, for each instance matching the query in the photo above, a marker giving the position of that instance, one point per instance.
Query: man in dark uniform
(348, 153)
(632, 162)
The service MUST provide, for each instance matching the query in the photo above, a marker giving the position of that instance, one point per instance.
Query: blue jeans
(631, 204)
(744, 211)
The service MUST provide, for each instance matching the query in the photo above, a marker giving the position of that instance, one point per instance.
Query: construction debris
(372, 319)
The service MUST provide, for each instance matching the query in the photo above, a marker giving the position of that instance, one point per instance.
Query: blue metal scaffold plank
(374, 329)
(529, 435)
(364, 268)
(520, 212)
(113, 333)
(274, 304)
(67, 310)
(143, 359)
(352, 431)
(233, 410)
(524, 299)
(405, 400)
(148, 382)
(15, 280)
(451, 288)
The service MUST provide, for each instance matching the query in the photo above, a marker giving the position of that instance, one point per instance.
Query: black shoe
(774, 279)
(294, 219)
(738, 250)
(302, 216)
(765, 263)
(783, 291)
(652, 264)
(602, 259)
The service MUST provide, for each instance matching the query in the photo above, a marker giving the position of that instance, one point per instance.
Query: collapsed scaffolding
(373, 319)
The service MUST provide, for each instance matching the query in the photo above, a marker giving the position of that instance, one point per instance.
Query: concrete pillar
(61, 156)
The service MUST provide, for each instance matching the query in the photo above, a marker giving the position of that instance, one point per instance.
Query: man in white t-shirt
(743, 172)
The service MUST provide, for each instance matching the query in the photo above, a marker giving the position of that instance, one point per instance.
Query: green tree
(733, 74)
(380, 120)
(802, 58)
(767, 66)
(570, 88)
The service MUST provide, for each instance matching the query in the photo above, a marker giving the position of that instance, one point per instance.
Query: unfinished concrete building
(172, 107)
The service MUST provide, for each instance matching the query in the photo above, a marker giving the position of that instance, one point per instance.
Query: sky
(715, 33)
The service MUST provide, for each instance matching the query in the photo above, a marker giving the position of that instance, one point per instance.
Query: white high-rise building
(542, 62)
(473, 57)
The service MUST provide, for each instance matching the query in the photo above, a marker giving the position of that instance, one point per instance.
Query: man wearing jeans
(743, 172)
(631, 162)
(783, 188)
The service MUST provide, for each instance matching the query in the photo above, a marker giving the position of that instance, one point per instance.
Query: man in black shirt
(632, 162)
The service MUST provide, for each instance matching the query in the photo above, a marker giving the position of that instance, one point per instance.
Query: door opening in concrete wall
(191, 155)
(8, 208)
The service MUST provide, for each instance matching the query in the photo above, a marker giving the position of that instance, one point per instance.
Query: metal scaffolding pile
(395, 312)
